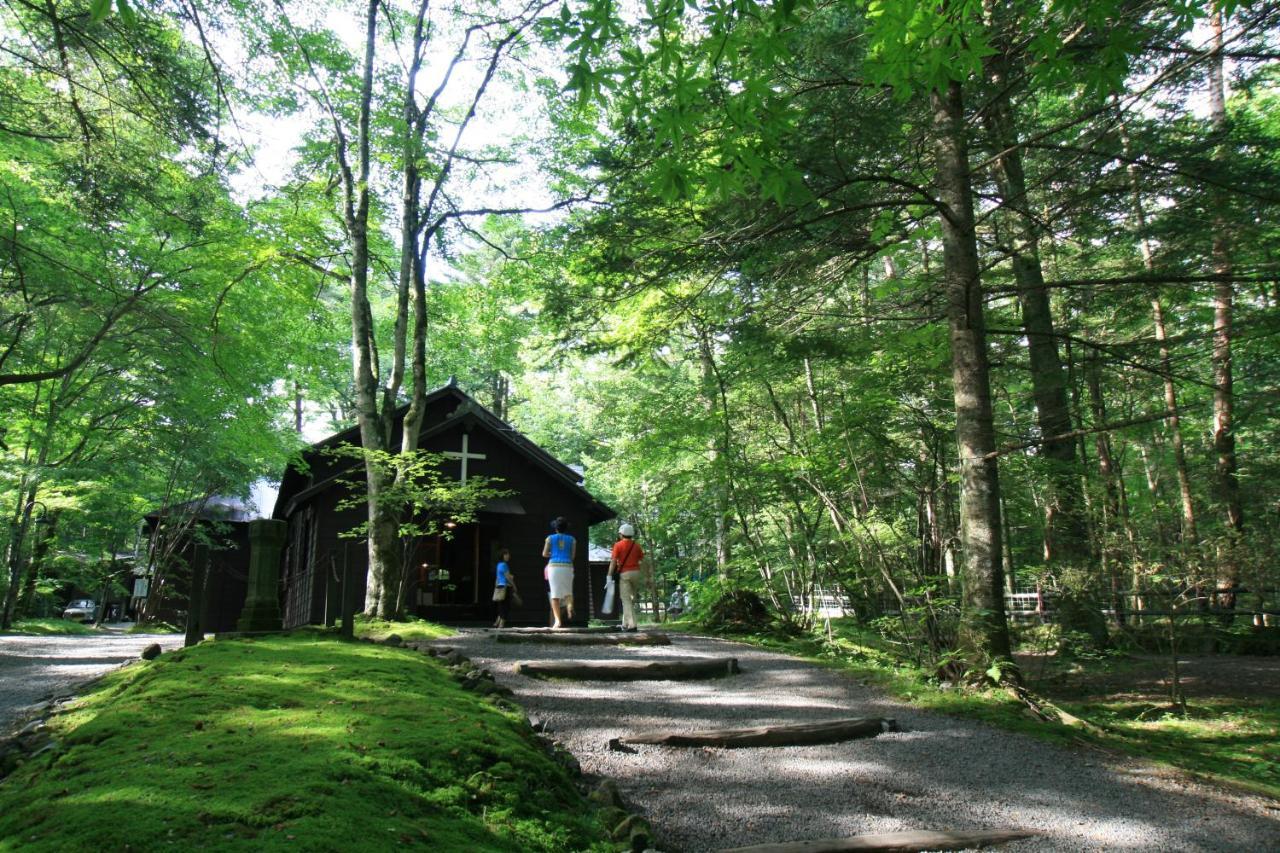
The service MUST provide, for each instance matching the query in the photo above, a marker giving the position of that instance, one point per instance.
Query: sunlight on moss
(298, 742)
(412, 629)
(51, 627)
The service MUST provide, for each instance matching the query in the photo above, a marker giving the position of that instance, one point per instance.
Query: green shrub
(1036, 636)
(738, 610)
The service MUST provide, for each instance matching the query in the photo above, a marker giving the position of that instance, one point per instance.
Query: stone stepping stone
(565, 639)
(630, 670)
(911, 841)
(792, 734)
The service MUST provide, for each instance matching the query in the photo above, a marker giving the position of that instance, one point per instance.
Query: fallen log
(630, 670)
(566, 639)
(794, 734)
(568, 629)
(893, 842)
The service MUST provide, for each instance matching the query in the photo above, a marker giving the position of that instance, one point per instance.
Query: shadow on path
(33, 669)
(938, 773)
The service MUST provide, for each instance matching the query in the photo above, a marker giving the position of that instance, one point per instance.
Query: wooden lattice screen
(300, 570)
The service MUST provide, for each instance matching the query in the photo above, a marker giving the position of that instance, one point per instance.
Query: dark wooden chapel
(450, 578)
(225, 521)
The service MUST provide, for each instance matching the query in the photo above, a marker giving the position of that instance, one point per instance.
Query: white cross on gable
(464, 455)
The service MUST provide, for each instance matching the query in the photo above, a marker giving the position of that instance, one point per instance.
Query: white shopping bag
(610, 595)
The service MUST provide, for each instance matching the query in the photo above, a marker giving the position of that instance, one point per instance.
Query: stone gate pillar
(262, 601)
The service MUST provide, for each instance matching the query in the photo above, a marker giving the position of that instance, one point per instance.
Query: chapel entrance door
(455, 580)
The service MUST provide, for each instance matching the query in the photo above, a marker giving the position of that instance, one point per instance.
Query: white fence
(824, 604)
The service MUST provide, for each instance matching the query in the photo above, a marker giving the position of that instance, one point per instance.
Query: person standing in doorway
(625, 560)
(504, 587)
(560, 549)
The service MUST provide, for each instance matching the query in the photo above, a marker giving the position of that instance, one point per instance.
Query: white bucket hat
(626, 530)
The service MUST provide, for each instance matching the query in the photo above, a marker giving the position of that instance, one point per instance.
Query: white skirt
(561, 577)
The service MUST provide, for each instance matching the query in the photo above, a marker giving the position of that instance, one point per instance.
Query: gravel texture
(937, 773)
(33, 669)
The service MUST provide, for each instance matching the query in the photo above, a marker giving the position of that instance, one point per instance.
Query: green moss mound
(50, 627)
(291, 742)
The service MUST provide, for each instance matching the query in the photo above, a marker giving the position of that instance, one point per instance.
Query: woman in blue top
(560, 549)
(504, 585)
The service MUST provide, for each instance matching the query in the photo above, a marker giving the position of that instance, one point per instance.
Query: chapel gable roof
(446, 407)
(226, 508)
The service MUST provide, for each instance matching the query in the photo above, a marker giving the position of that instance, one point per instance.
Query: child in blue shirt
(504, 586)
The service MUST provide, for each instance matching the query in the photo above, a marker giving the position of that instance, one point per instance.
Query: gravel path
(938, 773)
(33, 669)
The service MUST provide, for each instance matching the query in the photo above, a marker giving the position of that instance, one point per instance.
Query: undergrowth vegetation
(298, 742)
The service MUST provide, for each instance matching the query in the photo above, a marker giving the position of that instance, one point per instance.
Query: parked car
(80, 609)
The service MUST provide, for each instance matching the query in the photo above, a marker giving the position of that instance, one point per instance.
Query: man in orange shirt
(625, 560)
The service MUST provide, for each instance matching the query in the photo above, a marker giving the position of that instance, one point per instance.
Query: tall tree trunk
(297, 407)
(930, 528)
(1224, 438)
(1007, 551)
(1067, 549)
(386, 600)
(19, 529)
(501, 388)
(1113, 521)
(1066, 538)
(716, 454)
(48, 532)
(1190, 536)
(384, 558)
(984, 628)
(413, 249)
(811, 387)
(28, 488)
